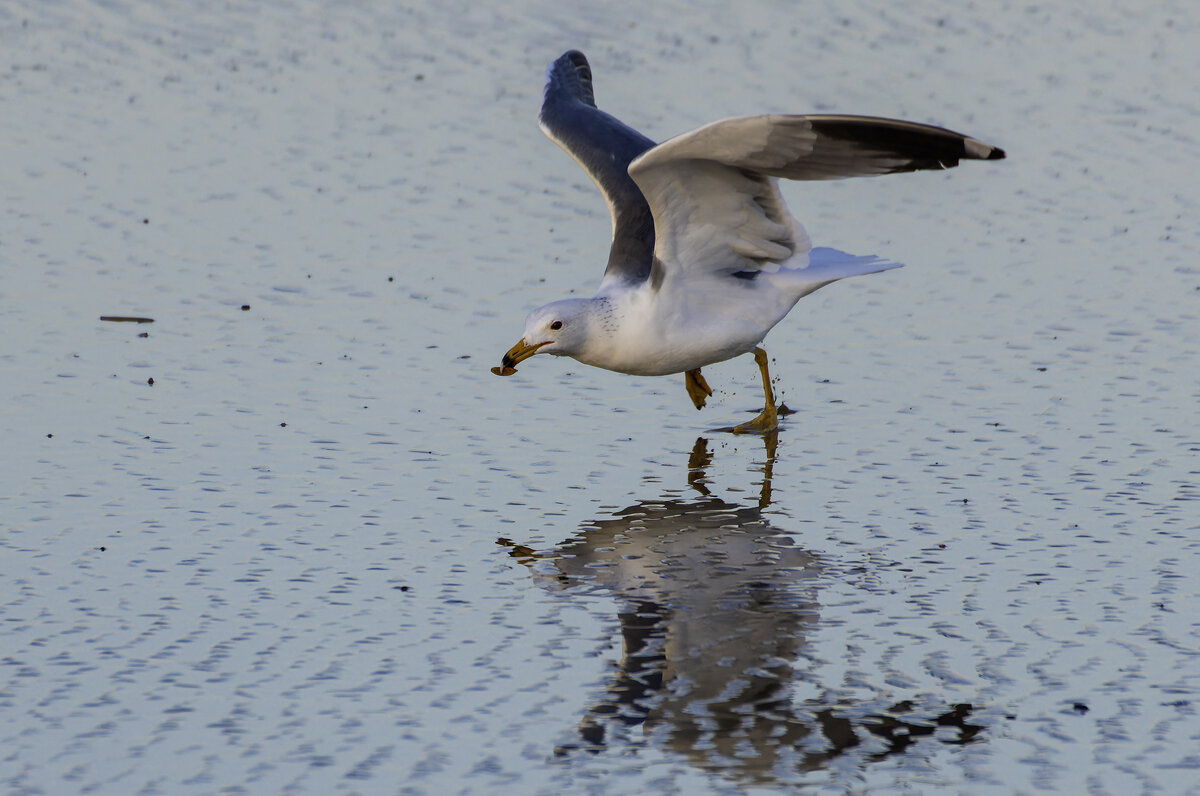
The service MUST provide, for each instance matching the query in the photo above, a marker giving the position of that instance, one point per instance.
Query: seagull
(705, 256)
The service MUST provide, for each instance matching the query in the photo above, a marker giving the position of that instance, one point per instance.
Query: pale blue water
(327, 552)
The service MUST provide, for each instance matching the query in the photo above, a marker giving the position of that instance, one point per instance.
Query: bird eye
(556, 325)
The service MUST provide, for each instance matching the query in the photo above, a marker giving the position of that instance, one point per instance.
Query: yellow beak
(518, 353)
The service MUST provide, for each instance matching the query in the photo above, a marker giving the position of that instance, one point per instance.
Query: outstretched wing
(604, 147)
(713, 191)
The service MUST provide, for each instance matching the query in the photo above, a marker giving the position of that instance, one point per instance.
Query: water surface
(292, 536)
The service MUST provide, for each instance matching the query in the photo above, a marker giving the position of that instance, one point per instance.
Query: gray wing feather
(713, 194)
(604, 147)
(822, 147)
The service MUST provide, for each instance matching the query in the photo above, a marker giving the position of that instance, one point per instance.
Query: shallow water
(297, 539)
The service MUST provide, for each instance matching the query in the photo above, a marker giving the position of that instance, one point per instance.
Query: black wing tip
(575, 57)
(975, 149)
(579, 62)
(570, 73)
(927, 146)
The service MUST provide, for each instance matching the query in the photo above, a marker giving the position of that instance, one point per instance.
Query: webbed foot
(767, 420)
(697, 388)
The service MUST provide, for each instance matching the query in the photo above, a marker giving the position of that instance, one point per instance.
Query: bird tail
(829, 265)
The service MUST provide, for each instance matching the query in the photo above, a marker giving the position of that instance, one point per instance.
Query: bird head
(558, 328)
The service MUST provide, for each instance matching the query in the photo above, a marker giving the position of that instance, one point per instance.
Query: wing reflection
(715, 605)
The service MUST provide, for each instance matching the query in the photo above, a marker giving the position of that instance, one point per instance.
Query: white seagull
(705, 257)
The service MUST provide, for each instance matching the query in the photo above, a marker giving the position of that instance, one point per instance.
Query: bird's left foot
(766, 422)
(697, 388)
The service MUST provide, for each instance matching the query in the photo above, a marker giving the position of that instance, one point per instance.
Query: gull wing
(604, 147)
(713, 191)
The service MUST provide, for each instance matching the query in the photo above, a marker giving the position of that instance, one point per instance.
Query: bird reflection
(715, 606)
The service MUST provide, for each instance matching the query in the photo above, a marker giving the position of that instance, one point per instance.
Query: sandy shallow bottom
(292, 536)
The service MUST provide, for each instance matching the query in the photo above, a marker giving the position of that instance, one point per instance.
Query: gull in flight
(705, 256)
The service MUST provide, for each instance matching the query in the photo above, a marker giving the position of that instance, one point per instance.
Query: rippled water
(292, 536)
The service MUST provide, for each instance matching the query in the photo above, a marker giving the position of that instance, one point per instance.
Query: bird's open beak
(518, 353)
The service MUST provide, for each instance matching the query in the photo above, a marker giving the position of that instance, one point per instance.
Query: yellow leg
(697, 387)
(768, 420)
